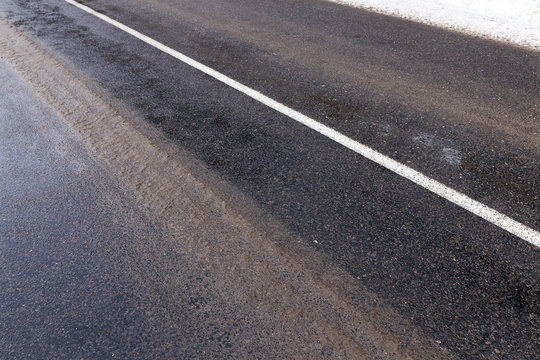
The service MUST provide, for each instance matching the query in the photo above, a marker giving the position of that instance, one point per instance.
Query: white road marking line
(530, 235)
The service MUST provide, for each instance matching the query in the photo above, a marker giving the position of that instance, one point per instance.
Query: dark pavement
(80, 275)
(461, 110)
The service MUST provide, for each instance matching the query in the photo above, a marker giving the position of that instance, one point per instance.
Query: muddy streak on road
(310, 306)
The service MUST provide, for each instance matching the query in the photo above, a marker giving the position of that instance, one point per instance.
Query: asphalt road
(64, 254)
(461, 110)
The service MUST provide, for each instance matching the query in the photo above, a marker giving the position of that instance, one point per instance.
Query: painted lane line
(530, 235)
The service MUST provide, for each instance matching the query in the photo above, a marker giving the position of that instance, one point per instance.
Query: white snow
(516, 21)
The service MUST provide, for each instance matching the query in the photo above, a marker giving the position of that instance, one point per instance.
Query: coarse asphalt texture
(457, 108)
(71, 239)
(88, 271)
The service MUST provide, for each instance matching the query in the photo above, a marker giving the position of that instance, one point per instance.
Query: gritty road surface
(302, 247)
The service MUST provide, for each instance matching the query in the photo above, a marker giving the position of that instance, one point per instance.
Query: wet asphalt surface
(71, 237)
(459, 109)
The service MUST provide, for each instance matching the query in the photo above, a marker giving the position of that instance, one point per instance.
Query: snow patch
(516, 21)
(448, 152)
(451, 156)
